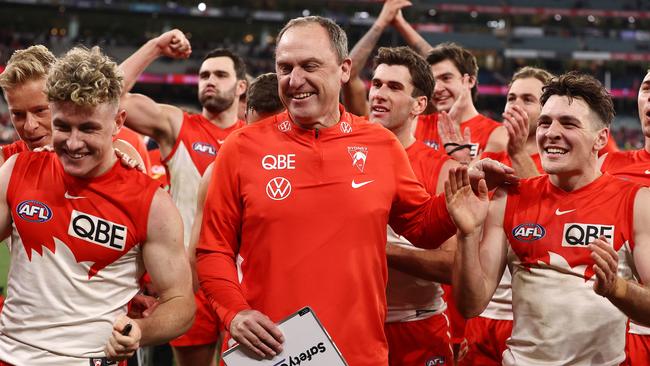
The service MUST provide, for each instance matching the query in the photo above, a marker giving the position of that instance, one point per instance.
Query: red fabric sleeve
(220, 233)
(422, 219)
(13, 148)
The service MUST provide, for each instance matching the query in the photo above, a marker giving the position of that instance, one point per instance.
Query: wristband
(458, 148)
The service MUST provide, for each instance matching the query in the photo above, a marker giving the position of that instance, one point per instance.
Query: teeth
(302, 95)
(76, 156)
(379, 109)
(555, 150)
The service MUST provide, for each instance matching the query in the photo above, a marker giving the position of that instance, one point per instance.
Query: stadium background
(608, 39)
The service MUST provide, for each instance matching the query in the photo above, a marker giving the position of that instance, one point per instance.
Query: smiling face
(568, 136)
(643, 103)
(391, 100)
(29, 111)
(82, 137)
(526, 93)
(449, 84)
(309, 75)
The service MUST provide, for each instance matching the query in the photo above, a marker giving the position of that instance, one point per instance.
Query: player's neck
(646, 144)
(405, 133)
(329, 119)
(573, 181)
(223, 119)
(468, 113)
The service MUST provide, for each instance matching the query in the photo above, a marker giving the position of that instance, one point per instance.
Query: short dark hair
(338, 38)
(585, 87)
(262, 95)
(238, 62)
(421, 76)
(464, 60)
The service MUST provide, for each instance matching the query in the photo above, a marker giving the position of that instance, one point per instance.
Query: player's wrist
(620, 289)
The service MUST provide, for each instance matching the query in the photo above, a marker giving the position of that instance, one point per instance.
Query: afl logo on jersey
(528, 232)
(34, 211)
(204, 148)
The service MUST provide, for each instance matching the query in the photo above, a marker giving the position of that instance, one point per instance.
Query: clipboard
(306, 342)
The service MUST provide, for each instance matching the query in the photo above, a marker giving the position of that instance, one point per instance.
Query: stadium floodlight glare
(631, 20)
(306, 13)
(201, 7)
(591, 18)
(558, 17)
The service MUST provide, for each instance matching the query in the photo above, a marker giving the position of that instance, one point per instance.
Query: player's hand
(605, 267)
(141, 306)
(121, 347)
(515, 120)
(128, 161)
(493, 172)
(457, 146)
(257, 332)
(463, 100)
(390, 10)
(174, 44)
(467, 209)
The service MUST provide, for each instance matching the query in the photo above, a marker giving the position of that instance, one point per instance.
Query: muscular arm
(5, 216)
(498, 140)
(165, 260)
(159, 121)
(198, 220)
(412, 37)
(632, 298)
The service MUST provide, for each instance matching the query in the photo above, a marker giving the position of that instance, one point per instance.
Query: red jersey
(75, 259)
(136, 140)
(14, 148)
(195, 148)
(297, 217)
(558, 318)
(480, 128)
(504, 158)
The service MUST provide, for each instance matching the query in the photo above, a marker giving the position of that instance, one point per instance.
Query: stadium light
(201, 7)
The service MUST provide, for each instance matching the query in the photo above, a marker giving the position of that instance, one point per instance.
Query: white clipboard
(305, 342)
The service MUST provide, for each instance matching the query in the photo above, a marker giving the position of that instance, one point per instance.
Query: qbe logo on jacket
(580, 235)
(96, 230)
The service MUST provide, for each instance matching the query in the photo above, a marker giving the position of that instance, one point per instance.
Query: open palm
(466, 208)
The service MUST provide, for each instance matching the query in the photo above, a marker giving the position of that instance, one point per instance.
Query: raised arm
(354, 91)
(630, 297)
(171, 44)
(411, 36)
(477, 268)
(160, 121)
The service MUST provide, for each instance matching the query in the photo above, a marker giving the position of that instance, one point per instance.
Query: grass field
(4, 267)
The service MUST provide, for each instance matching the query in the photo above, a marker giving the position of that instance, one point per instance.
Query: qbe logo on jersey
(580, 235)
(278, 188)
(34, 211)
(96, 230)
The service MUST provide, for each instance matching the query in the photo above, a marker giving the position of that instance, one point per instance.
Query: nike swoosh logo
(647, 171)
(66, 195)
(356, 185)
(560, 213)
(220, 142)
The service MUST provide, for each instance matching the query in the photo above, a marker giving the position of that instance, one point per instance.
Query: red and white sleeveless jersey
(409, 297)
(14, 148)
(480, 127)
(75, 259)
(558, 318)
(196, 146)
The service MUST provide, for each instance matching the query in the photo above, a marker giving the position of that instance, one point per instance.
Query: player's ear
(419, 105)
(242, 85)
(346, 67)
(120, 117)
(602, 137)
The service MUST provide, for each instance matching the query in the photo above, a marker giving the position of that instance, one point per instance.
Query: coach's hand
(494, 173)
(119, 346)
(257, 332)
